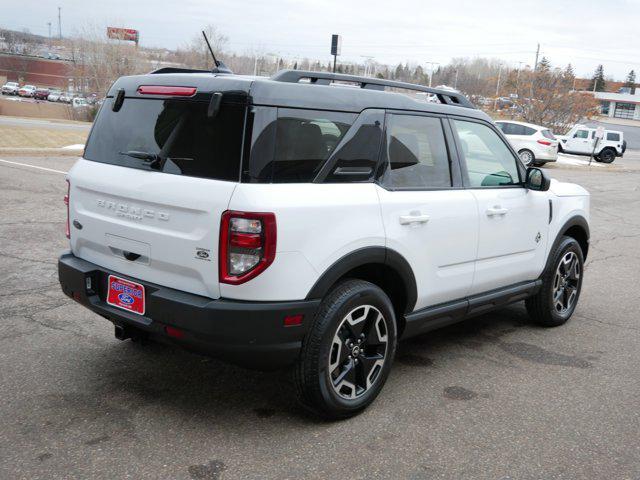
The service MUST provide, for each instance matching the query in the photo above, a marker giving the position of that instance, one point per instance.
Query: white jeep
(292, 221)
(582, 140)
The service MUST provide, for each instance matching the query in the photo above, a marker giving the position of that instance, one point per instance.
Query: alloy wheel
(526, 157)
(566, 283)
(358, 352)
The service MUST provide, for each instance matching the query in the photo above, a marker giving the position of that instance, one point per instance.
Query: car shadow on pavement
(137, 376)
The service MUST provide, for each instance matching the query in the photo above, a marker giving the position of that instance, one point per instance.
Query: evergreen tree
(544, 65)
(598, 83)
(569, 76)
(630, 82)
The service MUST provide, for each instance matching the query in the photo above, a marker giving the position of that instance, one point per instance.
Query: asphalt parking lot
(493, 398)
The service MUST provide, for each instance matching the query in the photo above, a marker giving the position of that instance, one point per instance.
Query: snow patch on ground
(565, 159)
(77, 146)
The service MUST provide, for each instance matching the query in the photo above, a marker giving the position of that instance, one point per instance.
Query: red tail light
(66, 202)
(544, 142)
(167, 90)
(247, 245)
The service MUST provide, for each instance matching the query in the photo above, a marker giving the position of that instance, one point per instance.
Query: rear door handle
(496, 211)
(413, 218)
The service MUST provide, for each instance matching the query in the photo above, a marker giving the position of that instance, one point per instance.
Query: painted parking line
(33, 166)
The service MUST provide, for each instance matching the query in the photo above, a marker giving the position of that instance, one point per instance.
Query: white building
(619, 105)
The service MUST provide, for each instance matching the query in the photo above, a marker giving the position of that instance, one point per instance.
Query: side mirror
(537, 180)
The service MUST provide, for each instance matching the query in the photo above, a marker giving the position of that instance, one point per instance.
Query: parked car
(350, 218)
(41, 93)
(54, 95)
(65, 97)
(535, 145)
(10, 88)
(27, 91)
(581, 140)
(79, 102)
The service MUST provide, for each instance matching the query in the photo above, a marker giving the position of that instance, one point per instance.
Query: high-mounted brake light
(247, 245)
(544, 142)
(66, 202)
(167, 90)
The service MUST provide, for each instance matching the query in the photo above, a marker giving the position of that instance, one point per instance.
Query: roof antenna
(219, 67)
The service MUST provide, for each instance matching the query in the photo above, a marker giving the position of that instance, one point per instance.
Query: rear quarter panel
(317, 224)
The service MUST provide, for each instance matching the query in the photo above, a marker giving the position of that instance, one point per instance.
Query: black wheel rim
(358, 352)
(566, 283)
(607, 156)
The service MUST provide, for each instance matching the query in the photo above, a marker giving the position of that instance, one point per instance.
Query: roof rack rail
(325, 78)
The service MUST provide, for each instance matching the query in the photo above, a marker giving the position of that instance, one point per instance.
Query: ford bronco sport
(293, 221)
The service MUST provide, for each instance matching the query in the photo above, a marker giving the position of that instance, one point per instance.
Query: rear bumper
(251, 334)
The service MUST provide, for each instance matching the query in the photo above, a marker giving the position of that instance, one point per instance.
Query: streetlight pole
(495, 102)
(431, 71)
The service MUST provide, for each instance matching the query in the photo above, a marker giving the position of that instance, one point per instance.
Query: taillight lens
(247, 245)
(544, 142)
(66, 202)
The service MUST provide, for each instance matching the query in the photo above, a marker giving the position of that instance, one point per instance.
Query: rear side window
(291, 145)
(177, 131)
(613, 137)
(417, 153)
(548, 134)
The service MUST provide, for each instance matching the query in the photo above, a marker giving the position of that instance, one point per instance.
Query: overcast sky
(583, 32)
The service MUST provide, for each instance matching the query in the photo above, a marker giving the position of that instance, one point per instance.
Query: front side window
(291, 145)
(417, 153)
(581, 134)
(489, 161)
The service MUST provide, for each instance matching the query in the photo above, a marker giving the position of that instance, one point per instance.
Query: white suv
(581, 140)
(535, 145)
(293, 221)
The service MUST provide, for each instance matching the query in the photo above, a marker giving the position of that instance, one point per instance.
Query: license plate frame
(126, 295)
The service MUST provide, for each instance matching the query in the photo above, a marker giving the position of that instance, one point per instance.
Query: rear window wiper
(153, 159)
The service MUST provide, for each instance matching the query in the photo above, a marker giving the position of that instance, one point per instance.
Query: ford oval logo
(125, 298)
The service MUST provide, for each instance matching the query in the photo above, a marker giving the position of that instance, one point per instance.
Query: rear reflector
(166, 90)
(544, 142)
(66, 202)
(293, 320)
(174, 332)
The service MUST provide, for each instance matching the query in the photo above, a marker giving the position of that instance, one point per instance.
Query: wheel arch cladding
(576, 227)
(381, 266)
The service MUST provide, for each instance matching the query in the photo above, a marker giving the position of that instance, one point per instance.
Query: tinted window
(417, 152)
(548, 134)
(581, 134)
(489, 161)
(176, 130)
(505, 127)
(526, 130)
(614, 137)
(293, 146)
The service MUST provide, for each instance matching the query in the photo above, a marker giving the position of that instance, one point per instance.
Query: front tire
(346, 356)
(556, 301)
(527, 157)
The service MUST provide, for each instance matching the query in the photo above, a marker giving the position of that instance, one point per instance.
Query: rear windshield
(548, 134)
(177, 131)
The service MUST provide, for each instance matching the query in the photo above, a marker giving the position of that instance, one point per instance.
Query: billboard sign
(128, 34)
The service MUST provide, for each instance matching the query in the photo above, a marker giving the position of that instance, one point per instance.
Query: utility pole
(495, 102)
(49, 25)
(535, 66)
(59, 23)
(455, 84)
(431, 71)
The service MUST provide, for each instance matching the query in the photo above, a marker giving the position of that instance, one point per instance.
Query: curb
(41, 152)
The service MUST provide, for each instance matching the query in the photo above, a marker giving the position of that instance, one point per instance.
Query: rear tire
(607, 155)
(556, 301)
(347, 354)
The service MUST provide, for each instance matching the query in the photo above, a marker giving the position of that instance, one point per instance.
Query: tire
(336, 377)
(527, 157)
(539, 164)
(556, 301)
(607, 155)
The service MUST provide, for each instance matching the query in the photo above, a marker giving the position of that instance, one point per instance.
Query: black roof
(315, 92)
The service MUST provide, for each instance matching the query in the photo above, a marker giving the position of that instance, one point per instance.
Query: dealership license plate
(126, 295)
